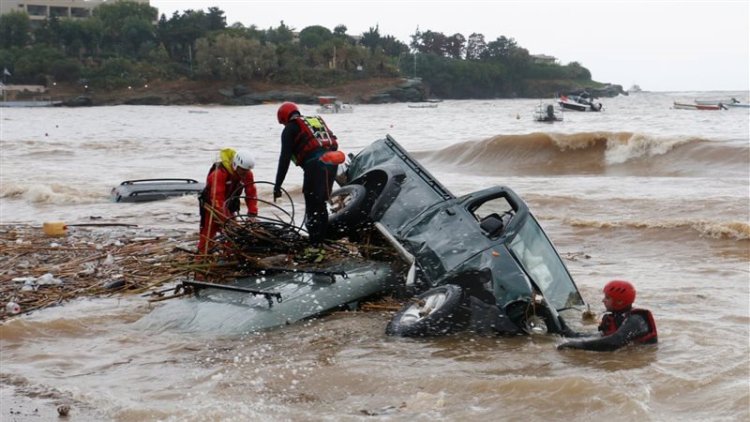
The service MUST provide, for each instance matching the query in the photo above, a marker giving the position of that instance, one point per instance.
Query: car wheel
(531, 319)
(437, 311)
(346, 209)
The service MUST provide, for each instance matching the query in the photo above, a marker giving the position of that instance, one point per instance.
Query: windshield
(542, 263)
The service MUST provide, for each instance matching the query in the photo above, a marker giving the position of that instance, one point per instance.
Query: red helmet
(621, 292)
(285, 111)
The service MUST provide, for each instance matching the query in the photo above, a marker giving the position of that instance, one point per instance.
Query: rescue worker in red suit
(220, 200)
(621, 325)
(310, 144)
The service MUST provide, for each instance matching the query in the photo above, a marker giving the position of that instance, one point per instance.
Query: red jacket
(221, 185)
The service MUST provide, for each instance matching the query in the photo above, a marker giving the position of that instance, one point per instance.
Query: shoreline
(192, 92)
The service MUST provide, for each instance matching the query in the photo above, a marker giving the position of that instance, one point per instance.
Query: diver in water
(621, 325)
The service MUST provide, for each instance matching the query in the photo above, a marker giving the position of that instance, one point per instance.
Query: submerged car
(480, 261)
(271, 298)
(146, 190)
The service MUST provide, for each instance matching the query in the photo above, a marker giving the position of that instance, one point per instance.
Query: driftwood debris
(37, 271)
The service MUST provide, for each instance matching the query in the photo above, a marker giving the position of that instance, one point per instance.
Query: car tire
(348, 212)
(438, 311)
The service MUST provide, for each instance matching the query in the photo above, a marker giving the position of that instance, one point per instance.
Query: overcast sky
(659, 45)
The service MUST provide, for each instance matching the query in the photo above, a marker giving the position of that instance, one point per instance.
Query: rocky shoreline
(368, 91)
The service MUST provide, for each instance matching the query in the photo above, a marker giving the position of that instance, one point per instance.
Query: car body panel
(447, 238)
(301, 295)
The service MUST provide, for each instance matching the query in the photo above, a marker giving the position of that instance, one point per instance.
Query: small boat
(31, 103)
(428, 105)
(26, 96)
(687, 106)
(547, 113)
(713, 101)
(145, 190)
(634, 89)
(735, 103)
(579, 102)
(331, 105)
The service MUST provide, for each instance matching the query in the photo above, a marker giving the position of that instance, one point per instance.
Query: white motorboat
(579, 102)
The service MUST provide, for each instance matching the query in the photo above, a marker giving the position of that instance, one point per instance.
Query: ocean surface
(639, 192)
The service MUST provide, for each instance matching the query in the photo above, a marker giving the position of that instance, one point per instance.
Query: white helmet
(243, 159)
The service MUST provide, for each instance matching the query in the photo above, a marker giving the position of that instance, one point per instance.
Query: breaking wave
(732, 230)
(616, 153)
(54, 193)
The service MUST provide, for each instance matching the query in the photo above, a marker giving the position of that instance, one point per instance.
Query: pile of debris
(37, 271)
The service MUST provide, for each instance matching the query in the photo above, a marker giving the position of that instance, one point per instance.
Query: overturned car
(480, 261)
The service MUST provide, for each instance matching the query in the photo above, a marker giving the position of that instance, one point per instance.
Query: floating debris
(35, 274)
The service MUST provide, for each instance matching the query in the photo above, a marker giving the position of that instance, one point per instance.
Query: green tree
(126, 25)
(232, 57)
(371, 38)
(430, 42)
(215, 19)
(393, 47)
(137, 33)
(575, 70)
(314, 36)
(500, 49)
(281, 35)
(33, 64)
(475, 46)
(455, 46)
(340, 31)
(14, 29)
(65, 70)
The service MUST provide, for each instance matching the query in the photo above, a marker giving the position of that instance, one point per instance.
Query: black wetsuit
(630, 328)
(316, 186)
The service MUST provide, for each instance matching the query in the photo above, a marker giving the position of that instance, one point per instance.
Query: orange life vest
(314, 135)
(612, 321)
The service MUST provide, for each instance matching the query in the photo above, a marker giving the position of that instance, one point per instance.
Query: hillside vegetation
(120, 50)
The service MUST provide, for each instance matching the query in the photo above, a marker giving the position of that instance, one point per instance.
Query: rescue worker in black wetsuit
(621, 325)
(310, 144)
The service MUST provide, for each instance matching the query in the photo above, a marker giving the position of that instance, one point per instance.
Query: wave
(727, 230)
(615, 153)
(53, 193)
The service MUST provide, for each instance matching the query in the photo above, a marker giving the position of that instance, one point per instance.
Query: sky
(658, 45)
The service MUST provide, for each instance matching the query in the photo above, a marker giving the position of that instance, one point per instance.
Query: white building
(39, 10)
(544, 59)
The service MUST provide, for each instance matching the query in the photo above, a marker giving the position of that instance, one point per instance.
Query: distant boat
(687, 106)
(634, 89)
(428, 105)
(31, 103)
(735, 103)
(39, 100)
(714, 101)
(579, 102)
(330, 105)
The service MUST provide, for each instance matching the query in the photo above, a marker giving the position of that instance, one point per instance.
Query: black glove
(276, 194)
